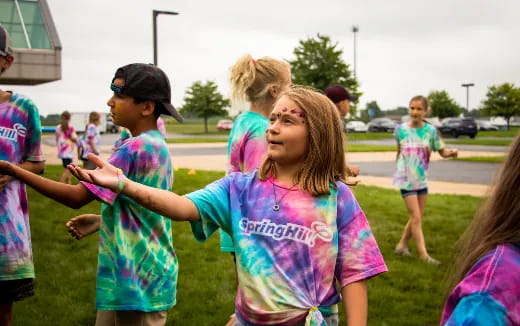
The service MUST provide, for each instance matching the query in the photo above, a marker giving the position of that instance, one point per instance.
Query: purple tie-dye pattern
(247, 143)
(496, 275)
(416, 145)
(64, 142)
(92, 132)
(288, 260)
(137, 265)
(20, 137)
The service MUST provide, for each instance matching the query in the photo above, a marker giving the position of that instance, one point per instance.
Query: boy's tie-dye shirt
(64, 142)
(288, 261)
(92, 132)
(137, 264)
(416, 145)
(246, 148)
(20, 137)
(490, 293)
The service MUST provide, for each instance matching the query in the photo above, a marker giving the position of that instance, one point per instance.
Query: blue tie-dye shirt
(288, 261)
(137, 264)
(416, 145)
(490, 293)
(20, 136)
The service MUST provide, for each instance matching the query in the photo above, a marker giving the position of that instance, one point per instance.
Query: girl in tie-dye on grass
(301, 239)
(91, 141)
(65, 139)
(416, 140)
(485, 278)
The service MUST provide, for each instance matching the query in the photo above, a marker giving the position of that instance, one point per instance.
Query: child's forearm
(445, 152)
(163, 202)
(74, 196)
(355, 301)
(34, 167)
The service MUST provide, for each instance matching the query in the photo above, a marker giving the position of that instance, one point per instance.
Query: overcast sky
(404, 48)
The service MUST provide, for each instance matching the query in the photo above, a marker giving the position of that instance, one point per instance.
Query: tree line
(318, 63)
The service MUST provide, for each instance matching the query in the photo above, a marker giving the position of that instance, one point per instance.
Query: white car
(356, 126)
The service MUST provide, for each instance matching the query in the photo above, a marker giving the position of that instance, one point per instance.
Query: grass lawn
(512, 132)
(194, 127)
(368, 135)
(354, 147)
(482, 159)
(410, 294)
(481, 141)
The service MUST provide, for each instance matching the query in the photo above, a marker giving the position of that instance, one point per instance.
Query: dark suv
(459, 126)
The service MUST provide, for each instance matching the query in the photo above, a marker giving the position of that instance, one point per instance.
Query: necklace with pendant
(276, 206)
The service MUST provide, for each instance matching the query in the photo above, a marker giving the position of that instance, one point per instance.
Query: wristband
(121, 181)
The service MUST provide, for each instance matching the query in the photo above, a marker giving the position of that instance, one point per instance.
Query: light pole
(467, 85)
(156, 13)
(355, 29)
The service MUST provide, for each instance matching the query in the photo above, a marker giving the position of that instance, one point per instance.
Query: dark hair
(158, 106)
(496, 222)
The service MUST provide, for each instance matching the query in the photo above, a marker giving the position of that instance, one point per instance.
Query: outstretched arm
(355, 301)
(163, 202)
(35, 167)
(83, 225)
(449, 152)
(74, 196)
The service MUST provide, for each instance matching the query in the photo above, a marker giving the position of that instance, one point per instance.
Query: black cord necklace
(276, 206)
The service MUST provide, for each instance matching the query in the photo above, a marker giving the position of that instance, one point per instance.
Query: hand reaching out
(105, 175)
(83, 225)
(4, 178)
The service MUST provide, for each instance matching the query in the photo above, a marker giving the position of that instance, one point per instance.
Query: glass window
(32, 18)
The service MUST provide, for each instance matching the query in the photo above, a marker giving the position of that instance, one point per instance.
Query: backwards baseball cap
(146, 82)
(338, 93)
(5, 42)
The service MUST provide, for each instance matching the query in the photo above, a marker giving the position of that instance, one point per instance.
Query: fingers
(96, 160)
(71, 228)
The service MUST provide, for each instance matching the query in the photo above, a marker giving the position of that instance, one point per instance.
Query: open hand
(454, 153)
(83, 225)
(105, 175)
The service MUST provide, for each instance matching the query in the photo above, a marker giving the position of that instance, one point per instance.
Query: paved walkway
(218, 163)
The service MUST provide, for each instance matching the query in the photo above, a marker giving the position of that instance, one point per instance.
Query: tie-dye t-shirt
(288, 260)
(416, 145)
(20, 136)
(246, 148)
(92, 132)
(137, 264)
(64, 142)
(490, 293)
(247, 143)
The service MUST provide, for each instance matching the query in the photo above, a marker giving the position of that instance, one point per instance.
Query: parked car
(356, 126)
(224, 125)
(111, 127)
(381, 125)
(484, 125)
(459, 126)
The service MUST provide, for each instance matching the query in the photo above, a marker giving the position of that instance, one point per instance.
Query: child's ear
(274, 91)
(149, 108)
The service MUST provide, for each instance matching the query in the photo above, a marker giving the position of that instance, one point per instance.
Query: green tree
(442, 105)
(502, 101)
(204, 101)
(318, 63)
(371, 111)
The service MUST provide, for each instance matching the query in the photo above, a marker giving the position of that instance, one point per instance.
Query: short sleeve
(33, 151)
(213, 204)
(91, 131)
(396, 133)
(479, 310)
(121, 158)
(359, 257)
(436, 142)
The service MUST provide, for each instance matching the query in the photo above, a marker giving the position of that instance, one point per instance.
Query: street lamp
(467, 85)
(355, 29)
(155, 14)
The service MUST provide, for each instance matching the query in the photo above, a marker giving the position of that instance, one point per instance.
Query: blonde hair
(324, 161)
(421, 98)
(496, 222)
(250, 79)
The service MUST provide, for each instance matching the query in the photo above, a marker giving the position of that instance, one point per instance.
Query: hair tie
(253, 61)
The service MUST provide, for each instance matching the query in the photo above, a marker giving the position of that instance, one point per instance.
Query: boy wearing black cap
(340, 96)
(137, 266)
(20, 137)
